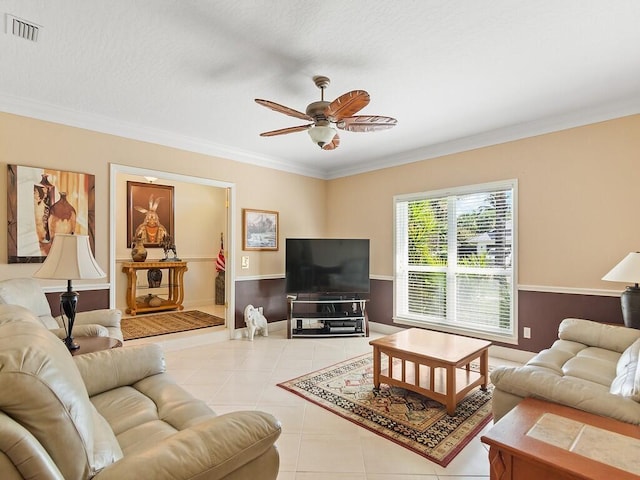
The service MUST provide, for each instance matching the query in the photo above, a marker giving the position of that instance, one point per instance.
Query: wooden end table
(433, 364)
(94, 344)
(542, 440)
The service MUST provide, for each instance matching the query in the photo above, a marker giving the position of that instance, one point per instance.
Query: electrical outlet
(526, 332)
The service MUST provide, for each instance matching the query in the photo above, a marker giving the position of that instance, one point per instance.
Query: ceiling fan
(327, 116)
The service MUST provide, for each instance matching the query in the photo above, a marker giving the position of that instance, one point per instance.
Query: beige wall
(578, 191)
(298, 199)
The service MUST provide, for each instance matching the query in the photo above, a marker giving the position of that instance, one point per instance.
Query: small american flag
(220, 262)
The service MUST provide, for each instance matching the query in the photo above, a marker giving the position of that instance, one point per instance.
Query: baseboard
(511, 354)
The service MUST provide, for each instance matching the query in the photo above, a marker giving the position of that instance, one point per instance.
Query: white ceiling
(457, 74)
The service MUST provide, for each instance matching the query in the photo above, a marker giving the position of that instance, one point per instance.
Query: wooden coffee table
(433, 364)
(94, 344)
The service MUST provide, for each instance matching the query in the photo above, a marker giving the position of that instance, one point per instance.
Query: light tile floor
(315, 444)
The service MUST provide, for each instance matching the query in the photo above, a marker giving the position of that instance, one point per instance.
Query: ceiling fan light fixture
(322, 134)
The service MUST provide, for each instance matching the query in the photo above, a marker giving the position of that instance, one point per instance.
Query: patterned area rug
(404, 417)
(143, 325)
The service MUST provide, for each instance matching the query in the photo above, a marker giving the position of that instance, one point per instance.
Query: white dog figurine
(255, 321)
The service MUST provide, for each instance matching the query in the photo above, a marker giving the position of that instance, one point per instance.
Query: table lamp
(70, 258)
(628, 270)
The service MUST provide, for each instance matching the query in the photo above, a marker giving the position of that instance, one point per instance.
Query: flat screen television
(327, 266)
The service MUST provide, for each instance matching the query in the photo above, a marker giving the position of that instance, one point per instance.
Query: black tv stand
(325, 316)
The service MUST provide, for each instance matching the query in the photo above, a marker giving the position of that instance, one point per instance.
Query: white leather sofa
(28, 293)
(114, 414)
(592, 367)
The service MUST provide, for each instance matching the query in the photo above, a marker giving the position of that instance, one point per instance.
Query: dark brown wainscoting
(269, 293)
(542, 312)
(87, 300)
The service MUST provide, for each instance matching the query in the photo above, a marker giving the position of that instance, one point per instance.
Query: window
(455, 260)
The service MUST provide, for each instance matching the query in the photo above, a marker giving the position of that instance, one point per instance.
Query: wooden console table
(541, 440)
(172, 286)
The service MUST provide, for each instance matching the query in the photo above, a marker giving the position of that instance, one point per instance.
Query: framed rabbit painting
(150, 213)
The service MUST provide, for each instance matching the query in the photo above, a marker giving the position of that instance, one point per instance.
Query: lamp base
(71, 345)
(68, 302)
(630, 301)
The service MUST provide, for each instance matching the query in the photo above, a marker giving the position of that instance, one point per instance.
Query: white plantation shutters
(455, 258)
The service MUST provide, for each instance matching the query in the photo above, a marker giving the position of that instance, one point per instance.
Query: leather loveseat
(28, 293)
(114, 414)
(592, 367)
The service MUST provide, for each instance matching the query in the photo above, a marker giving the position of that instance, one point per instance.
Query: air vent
(22, 28)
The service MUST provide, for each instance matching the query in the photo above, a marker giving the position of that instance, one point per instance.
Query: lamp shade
(321, 135)
(628, 270)
(70, 258)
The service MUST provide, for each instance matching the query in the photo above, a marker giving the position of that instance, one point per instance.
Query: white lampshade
(70, 258)
(321, 135)
(628, 270)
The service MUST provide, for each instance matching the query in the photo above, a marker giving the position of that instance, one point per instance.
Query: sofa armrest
(212, 449)
(107, 317)
(92, 330)
(21, 455)
(542, 383)
(119, 367)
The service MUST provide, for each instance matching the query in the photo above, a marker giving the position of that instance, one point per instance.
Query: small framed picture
(149, 213)
(259, 229)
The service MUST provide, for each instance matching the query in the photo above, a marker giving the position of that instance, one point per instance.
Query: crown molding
(65, 116)
(578, 118)
(99, 123)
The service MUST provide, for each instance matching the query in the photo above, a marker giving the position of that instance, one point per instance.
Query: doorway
(202, 220)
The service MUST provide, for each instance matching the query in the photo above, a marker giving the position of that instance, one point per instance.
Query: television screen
(338, 266)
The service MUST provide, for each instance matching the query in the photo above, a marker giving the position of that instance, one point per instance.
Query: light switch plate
(245, 262)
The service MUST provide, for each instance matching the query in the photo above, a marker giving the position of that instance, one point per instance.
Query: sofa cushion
(551, 358)
(149, 411)
(41, 389)
(627, 381)
(589, 366)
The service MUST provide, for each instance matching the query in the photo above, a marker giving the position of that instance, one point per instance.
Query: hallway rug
(404, 417)
(145, 325)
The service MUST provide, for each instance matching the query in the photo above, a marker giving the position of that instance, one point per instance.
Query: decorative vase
(154, 276)
(62, 217)
(44, 198)
(138, 252)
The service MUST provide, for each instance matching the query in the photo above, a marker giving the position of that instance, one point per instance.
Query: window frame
(446, 326)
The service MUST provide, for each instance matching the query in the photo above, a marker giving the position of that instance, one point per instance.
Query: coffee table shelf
(430, 381)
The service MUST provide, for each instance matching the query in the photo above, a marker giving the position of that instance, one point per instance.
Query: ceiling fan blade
(333, 144)
(366, 123)
(284, 131)
(346, 105)
(282, 109)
